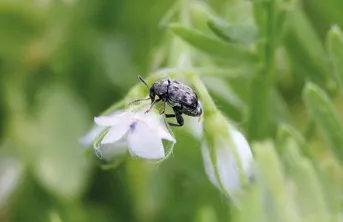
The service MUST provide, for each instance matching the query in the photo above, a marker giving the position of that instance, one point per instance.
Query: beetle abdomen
(180, 94)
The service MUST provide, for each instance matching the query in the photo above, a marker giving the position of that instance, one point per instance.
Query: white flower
(141, 133)
(88, 139)
(195, 125)
(227, 169)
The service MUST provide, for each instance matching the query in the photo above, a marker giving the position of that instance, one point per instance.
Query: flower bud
(227, 156)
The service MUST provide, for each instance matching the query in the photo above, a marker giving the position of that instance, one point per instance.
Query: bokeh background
(62, 62)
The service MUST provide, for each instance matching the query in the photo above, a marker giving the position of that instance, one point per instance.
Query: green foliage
(212, 45)
(326, 117)
(239, 33)
(335, 49)
(271, 67)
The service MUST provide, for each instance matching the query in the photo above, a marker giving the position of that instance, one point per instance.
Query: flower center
(133, 126)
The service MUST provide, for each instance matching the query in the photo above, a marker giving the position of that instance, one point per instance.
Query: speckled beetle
(179, 96)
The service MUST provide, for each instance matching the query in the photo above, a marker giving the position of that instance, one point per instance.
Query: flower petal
(91, 135)
(144, 142)
(163, 131)
(243, 150)
(116, 132)
(112, 119)
(110, 151)
(228, 172)
(194, 126)
(209, 169)
(157, 124)
(229, 176)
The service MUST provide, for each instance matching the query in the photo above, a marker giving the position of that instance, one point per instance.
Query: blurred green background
(62, 62)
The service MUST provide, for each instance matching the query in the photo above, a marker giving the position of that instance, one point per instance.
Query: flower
(88, 139)
(140, 133)
(227, 178)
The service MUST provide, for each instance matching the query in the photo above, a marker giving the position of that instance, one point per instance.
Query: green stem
(262, 82)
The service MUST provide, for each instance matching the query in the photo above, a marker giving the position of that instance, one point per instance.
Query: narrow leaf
(236, 33)
(271, 181)
(335, 49)
(326, 117)
(212, 45)
(308, 195)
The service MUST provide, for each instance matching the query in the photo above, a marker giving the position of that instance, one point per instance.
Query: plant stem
(261, 84)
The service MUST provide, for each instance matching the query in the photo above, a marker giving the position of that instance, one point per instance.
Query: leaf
(305, 50)
(307, 193)
(286, 132)
(234, 106)
(334, 42)
(271, 181)
(60, 165)
(11, 173)
(326, 117)
(234, 33)
(278, 108)
(212, 45)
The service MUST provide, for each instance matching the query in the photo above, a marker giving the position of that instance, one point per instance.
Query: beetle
(179, 96)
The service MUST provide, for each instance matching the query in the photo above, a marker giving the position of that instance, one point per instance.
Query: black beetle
(179, 96)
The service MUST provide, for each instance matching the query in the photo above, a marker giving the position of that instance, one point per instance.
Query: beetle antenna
(137, 100)
(143, 81)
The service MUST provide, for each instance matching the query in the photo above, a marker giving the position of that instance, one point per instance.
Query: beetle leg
(179, 119)
(170, 115)
(164, 108)
(152, 104)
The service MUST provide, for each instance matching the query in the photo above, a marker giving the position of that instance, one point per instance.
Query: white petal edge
(157, 124)
(91, 135)
(194, 126)
(111, 120)
(209, 169)
(244, 151)
(144, 142)
(163, 131)
(110, 151)
(116, 132)
(226, 165)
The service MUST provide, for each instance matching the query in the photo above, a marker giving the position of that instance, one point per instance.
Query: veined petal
(163, 131)
(111, 120)
(116, 132)
(194, 126)
(144, 142)
(157, 124)
(109, 151)
(227, 168)
(243, 150)
(209, 169)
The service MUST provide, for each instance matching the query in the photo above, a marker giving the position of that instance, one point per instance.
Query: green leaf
(334, 42)
(11, 173)
(286, 135)
(235, 33)
(60, 166)
(331, 182)
(307, 194)
(286, 132)
(271, 181)
(305, 49)
(212, 45)
(326, 117)
(206, 214)
(234, 106)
